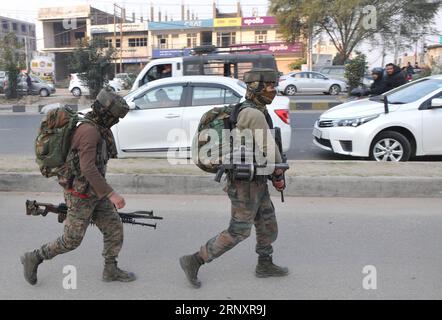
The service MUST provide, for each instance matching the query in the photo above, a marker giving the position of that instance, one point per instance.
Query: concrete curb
(32, 108)
(298, 186)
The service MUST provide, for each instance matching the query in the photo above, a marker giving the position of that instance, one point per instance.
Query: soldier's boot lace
(112, 273)
(30, 262)
(191, 264)
(265, 268)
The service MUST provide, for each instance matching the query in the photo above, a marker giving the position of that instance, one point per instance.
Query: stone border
(299, 186)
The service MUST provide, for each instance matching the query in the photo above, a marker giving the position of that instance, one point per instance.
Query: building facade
(63, 27)
(25, 33)
(137, 43)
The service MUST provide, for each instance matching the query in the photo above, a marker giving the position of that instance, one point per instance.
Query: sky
(27, 10)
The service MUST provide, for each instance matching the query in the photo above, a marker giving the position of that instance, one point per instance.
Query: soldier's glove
(278, 180)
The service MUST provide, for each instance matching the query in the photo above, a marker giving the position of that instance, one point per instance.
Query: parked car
(39, 86)
(164, 114)
(214, 63)
(302, 82)
(335, 72)
(124, 79)
(78, 88)
(338, 72)
(408, 125)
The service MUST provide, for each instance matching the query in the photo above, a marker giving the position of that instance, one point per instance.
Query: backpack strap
(233, 118)
(237, 108)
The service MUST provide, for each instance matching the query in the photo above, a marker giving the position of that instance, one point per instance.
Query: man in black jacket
(378, 86)
(395, 78)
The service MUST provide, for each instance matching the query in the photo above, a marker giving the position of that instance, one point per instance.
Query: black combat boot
(30, 262)
(266, 268)
(191, 264)
(112, 273)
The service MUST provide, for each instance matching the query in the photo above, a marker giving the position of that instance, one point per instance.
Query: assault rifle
(34, 208)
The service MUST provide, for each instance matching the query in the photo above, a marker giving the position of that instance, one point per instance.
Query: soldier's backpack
(53, 141)
(221, 120)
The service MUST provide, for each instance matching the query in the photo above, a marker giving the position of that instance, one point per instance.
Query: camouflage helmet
(115, 104)
(261, 75)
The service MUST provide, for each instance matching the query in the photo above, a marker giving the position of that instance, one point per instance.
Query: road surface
(326, 243)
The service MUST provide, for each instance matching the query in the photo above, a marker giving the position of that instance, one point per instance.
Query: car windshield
(411, 92)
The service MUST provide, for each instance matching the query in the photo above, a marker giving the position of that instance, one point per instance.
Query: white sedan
(310, 82)
(78, 88)
(407, 124)
(164, 114)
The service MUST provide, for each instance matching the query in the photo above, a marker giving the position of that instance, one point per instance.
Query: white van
(227, 65)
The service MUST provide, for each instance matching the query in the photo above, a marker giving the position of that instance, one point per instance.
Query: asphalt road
(326, 243)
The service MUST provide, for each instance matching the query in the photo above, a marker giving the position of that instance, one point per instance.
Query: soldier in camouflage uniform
(87, 194)
(250, 200)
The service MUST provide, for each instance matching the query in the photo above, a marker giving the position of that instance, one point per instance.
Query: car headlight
(356, 122)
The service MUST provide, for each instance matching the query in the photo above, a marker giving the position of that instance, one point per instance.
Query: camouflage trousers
(80, 213)
(251, 205)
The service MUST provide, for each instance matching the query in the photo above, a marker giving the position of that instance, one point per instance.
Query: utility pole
(115, 36)
(310, 49)
(122, 18)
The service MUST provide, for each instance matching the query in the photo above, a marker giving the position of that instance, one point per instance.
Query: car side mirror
(436, 103)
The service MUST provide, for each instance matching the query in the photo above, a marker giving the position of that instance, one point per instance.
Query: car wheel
(335, 90)
(290, 90)
(390, 146)
(44, 93)
(76, 92)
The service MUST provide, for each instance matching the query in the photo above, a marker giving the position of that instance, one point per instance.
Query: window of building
(109, 43)
(175, 44)
(261, 36)
(225, 39)
(137, 42)
(117, 43)
(162, 41)
(191, 40)
(5, 25)
(23, 28)
(14, 26)
(65, 39)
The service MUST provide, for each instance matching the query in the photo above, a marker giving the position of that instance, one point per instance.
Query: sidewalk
(305, 178)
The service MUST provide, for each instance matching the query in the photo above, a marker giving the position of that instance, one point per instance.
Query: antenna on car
(386, 105)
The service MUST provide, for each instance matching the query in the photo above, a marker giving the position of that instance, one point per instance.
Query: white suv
(77, 87)
(407, 123)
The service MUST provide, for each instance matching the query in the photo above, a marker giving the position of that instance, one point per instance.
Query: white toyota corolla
(407, 123)
(164, 114)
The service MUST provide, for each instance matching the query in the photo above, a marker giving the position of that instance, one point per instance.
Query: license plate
(317, 133)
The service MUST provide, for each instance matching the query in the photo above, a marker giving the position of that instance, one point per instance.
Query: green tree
(92, 60)
(12, 60)
(349, 22)
(355, 71)
(297, 64)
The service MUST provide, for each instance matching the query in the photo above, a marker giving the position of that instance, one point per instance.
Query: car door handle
(172, 116)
